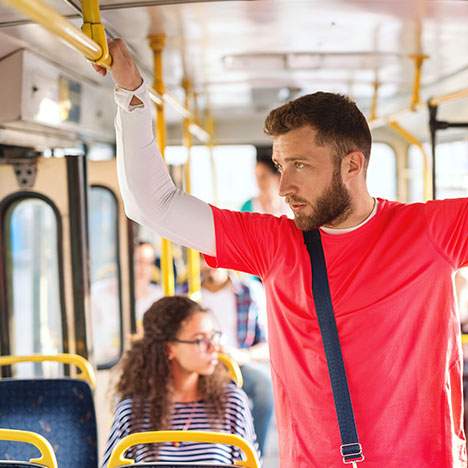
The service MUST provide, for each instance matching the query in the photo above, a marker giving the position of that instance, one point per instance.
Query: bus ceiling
(390, 56)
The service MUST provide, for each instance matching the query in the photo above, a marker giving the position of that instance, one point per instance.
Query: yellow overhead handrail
(94, 50)
(41, 13)
(434, 101)
(413, 140)
(233, 369)
(460, 94)
(415, 99)
(117, 458)
(87, 372)
(415, 102)
(94, 29)
(47, 457)
(198, 132)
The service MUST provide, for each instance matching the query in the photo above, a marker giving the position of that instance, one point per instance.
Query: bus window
(382, 172)
(106, 307)
(415, 174)
(235, 172)
(452, 169)
(452, 182)
(33, 279)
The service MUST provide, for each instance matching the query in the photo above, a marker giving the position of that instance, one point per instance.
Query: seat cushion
(61, 410)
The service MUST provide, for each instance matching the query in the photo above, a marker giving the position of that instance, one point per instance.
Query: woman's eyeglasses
(204, 343)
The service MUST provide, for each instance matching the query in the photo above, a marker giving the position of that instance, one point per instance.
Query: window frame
(5, 293)
(112, 363)
(397, 165)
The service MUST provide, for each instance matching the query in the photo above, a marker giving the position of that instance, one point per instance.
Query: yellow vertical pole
(193, 257)
(209, 125)
(374, 102)
(157, 43)
(416, 95)
(94, 29)
(427, 166)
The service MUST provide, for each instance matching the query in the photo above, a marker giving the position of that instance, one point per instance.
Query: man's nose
(285, 186)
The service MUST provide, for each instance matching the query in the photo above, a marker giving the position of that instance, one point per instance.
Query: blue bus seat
(61, 410)
(15, 464)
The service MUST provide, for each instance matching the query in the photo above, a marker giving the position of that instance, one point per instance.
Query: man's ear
(353, 165)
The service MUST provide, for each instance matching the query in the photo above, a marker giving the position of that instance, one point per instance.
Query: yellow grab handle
(47, 457)
(94, 29)
(117, 459)
(233, 369)
(87, 372)
(40, 12)
(464, 338)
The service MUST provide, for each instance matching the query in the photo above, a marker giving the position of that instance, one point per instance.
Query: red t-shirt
(391, 286)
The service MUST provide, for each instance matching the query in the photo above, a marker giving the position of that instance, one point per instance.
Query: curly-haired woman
(171, 379)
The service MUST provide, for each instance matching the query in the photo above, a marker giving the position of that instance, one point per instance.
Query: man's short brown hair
(336, 119)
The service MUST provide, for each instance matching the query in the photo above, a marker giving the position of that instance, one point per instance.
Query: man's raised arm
(149, 194)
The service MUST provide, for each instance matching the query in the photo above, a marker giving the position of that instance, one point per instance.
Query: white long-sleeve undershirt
(150, 196)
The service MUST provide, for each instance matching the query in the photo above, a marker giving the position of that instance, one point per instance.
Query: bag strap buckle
(352, 454)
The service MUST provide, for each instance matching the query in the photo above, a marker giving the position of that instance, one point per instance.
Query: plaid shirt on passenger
(249, 329)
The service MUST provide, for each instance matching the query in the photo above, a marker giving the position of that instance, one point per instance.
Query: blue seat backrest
(18, 465)
(61, 410)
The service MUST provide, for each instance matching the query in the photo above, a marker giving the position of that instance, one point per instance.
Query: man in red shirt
(390, 270)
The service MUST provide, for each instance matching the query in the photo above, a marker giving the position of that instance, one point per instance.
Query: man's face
(144, 262)
(311, 181)
(213, 275)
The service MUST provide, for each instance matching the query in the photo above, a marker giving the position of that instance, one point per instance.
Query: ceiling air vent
(39, 97)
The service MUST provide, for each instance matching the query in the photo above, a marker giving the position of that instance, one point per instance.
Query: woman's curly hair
(146, 375)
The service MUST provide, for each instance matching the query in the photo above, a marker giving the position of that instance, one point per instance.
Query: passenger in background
(236, 310)
(268, 199)
(171, 379)
(146, 291)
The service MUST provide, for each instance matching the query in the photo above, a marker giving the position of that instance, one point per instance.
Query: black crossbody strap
(350, 449)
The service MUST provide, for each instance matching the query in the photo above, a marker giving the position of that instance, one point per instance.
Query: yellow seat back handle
(47, 457)
(86, 370)
(117, 459)
(233, 369)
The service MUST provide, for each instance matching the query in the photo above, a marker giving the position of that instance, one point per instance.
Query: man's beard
(333, 206)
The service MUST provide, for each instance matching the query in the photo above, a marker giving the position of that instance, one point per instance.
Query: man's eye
(299, 165)
(278, 168)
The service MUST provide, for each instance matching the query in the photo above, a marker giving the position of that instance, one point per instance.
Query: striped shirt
(237, 420)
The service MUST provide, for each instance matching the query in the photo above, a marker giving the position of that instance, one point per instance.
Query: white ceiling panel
(339, 45)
